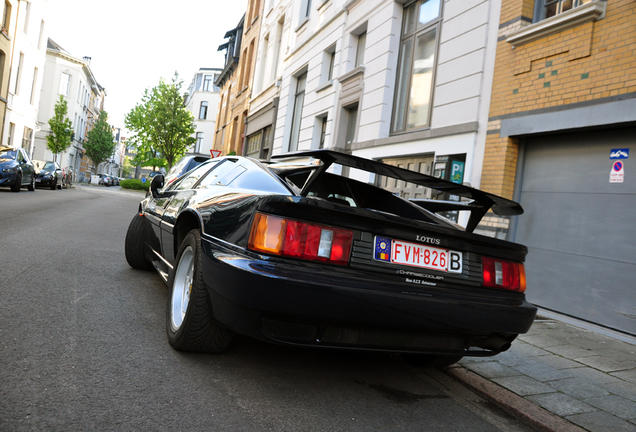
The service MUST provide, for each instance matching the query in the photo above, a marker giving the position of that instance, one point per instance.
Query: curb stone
(530, 413)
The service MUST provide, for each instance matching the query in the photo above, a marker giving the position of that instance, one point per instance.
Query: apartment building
(235, 80)
(202, 100)
(26, 64)
(560, 128)
(71, 77)
(407, 83)
(9, 13)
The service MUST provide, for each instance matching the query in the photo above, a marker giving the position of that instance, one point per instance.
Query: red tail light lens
(503, 274)
(292, 238)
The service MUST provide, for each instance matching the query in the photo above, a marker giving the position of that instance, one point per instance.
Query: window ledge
(301, 24)
(592, 11)
(324, 86)
(321, 3)
(351, 74)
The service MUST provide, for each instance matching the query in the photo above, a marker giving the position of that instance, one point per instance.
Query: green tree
(100, 144)
(163, 128)
(127, 169)
(61, 129)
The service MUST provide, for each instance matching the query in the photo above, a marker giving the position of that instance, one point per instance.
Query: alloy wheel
(182, 288)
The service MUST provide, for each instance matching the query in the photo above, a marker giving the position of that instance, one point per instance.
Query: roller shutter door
(580, 229)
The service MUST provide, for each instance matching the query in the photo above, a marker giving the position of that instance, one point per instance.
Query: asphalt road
(83, 346)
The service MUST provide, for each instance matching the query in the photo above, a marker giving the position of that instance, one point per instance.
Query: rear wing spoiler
(479, 205)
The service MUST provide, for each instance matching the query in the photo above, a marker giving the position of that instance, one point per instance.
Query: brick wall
(589, 62)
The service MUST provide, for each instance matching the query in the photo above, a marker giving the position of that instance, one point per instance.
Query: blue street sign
(619, 153)
(143, 180)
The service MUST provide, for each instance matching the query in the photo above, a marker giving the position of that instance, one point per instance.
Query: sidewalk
(560, 378)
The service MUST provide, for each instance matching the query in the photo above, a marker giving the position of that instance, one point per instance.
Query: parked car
(16, 169)
(104, 179)
(48, 174)
(292, 254)
(184, 165)
(115, 180)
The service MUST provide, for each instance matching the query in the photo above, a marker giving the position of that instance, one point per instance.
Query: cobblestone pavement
(583, 376)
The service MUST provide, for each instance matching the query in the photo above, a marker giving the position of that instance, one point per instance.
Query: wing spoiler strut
(479, 205)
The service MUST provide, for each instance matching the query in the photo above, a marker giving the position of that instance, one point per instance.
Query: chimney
(87, 60)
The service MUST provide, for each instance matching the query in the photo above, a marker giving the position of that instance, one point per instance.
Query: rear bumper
(307, 304)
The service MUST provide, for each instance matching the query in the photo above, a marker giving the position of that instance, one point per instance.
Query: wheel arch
(186, 222)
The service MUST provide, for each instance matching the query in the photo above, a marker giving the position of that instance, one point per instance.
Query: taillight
(292, 238)
(503, 274)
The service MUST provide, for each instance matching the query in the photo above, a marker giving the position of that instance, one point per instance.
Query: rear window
(193, 177)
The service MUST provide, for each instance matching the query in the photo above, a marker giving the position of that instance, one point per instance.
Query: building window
(254, 144)
(323, 132)
(305, 9)
(258, 143)
(41, 37)
(299, 100)
(27, 14)
(6, 17)
(548, 8)
(203, 111)
(262, 67)
(235, 126)
(256, 7)
(352, 123)
(416, 67)
(18, 75)
(65, 83)
(26, 138)
(328, 63)
(248, 65)
(3, 58)
(199, 143)
(276, 60)
(207, 83)
(35, 81)
(360, 47)
(11, 134)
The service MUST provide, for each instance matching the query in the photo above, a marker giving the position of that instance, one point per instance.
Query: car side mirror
(156, 184)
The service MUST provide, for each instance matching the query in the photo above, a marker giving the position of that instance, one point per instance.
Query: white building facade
(404, 82)
(27, 69)
(203, 101)
(72, 78)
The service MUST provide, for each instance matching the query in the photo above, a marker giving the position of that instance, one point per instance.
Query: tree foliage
(61, 128)
(100, 144)
(163, 128)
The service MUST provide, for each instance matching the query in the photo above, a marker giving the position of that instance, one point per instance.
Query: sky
(135, 43)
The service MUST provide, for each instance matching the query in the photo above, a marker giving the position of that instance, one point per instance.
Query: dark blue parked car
(16, 169)
(48, 174)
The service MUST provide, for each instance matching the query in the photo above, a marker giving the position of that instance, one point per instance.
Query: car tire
(31, 186)
(54, 184)
(430, 359)
(18, 183)
(190, 324)
(136, 237)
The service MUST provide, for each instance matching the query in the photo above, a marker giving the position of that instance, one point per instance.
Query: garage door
(580, 229)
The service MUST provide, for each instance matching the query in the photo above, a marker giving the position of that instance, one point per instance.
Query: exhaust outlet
(493, 343)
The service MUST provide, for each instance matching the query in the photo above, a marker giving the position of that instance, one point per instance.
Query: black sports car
(293, 253)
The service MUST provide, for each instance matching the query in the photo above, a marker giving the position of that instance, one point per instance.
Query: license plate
(38, 180)
(417, 255)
